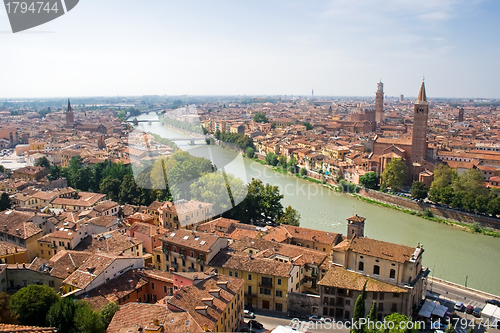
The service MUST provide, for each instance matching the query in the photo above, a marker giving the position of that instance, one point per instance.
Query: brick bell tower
(379, 102)
(419, 136)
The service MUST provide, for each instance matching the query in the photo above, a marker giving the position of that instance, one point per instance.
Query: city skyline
(337, 48)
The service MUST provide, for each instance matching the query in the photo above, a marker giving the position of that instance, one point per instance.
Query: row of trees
(39, 305)
(241, 141)
(184, 125)
(465, 190)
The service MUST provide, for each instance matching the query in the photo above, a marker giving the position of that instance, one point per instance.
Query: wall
(301, 304)
(449, 214)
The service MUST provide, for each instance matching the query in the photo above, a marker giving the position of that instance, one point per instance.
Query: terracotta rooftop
(26, 329)
(200, 241)
(339, 277)
(141, 317)
(377, 248)
(114, 290)
(110, 242)
(189, 298)
(18, 224)
(249, 263)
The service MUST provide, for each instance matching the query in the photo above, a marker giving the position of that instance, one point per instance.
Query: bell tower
(70, 116)
(379, 102)
(356, 226)
(419, 136)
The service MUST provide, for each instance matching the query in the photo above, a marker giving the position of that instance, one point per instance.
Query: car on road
(469, 309)
(248, 307)
(459, 306)
(248, 314)
(477, 312)
(316, 318)
(255, 324)
(493, 301)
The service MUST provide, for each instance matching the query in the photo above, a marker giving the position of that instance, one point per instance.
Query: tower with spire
(419, 136)
(379, 102)
(70, 116)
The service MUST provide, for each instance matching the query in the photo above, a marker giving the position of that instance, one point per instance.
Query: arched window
(392, 274)
(361, 266)
(376, 270)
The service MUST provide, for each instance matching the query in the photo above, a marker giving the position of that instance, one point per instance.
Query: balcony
(266, 284)
(174, 265)
(252, 294)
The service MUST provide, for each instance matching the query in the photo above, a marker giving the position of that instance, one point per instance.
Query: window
(297, 286)
(265, 291)
(381, 296)
(152, 285)
(394, 307)
(375, 294)
(235, 274)
(164, 289)
(376, 270)
(279, 293)
(191, 254)
(249, 277)
(381, 306)
(51, 283)
(396, 295)
(361, 266)
(279, 282)
(392, 274)
(41, 251)
(230, 273)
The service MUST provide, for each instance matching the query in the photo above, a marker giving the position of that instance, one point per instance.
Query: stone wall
(446, 213)
(300, 305)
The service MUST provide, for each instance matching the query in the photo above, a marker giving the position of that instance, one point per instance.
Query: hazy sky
(338, 47)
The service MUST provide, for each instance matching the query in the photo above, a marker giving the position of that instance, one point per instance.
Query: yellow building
(216, 303)
(267, 282)
(12, 254)
(37, 145)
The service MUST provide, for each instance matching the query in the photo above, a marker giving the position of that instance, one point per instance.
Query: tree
(394, 175)
(6, 316)
(260, 117)
(5, 201)
(61, 315)
(272, 159)
(440, 189)
(2, 169)
(303, 172)
(82, 180)
(370, 180)
(220, 189)
(32, 303)
(290, 217)
(107, 313)
(359, 311)
(54, 173)
(111, 187)
(372, 316)
(250, 152)
(308, 125)
(400, 323)
(282, 161)
(88, 320)
(217, 134)
(292, 164)
(43, 161)
(418, 190)
(129, 192)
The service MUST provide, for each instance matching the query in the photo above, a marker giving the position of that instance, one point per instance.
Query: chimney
(215, 292)
(222, 284)
(208, 301)
(202, 309)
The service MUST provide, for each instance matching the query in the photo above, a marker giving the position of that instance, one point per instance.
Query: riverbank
(426, 213)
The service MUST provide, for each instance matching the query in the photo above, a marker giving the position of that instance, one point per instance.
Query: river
(450, 253)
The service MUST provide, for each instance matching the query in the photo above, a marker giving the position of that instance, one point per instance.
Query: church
(413, 151)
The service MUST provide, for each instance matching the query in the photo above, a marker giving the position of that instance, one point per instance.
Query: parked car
(255, 324)
(247, 330)
(459, 306)
(493, 301)
(248, 314)
(316, 318)
(477, 312)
